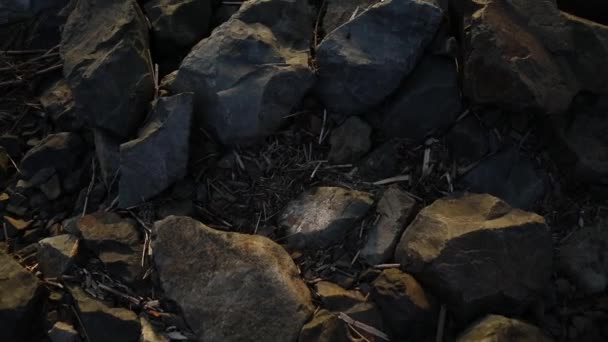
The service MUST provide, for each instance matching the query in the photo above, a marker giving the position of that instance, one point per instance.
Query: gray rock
(116, 241)
(478, 255)
(252, 70)
(106, 64)
(103, 323)
(395, 210)
(230, 286)
(365, 60)
(58, 103)
(56, 254)
(510, 175)
(21, 301)
(63, 332)
(18, 10)
(350, 141)
(407, 309)
(494, 328)
(338, 12)
(61, 151)
(427, 102)
(584, 258)
(159, 156)
(323, 216)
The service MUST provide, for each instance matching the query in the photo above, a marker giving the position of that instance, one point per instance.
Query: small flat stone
(56, 254)
(502, 329)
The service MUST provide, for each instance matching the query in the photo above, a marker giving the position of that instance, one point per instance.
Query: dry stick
(368, 329)
(89, 189)
(316, 31)
(402, 178)
(386, 266)
(5, 232)
(323, 126)
(441, 324)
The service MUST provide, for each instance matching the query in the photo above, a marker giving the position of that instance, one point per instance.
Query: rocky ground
(293, 170)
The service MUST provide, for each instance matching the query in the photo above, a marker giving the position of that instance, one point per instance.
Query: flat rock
(56, 254)
(584, 258)
(338, 12)
(106, 64)
(323, 216)
(427, 102)
(350, 141)
(61, 151)
(252, 71)
(20, 301)
(103, 323)
(230, 286)
(478, 255)
(494, 328)
(406, 307)
(63, 332)
(363, 61)
(159, 156)
(395, 209)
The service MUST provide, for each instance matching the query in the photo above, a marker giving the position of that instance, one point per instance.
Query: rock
(63, 332)
(61, 151)
(18, 10)
(244, 96)
(103, 323)
(478, 255)
(502, 329)
(106, 64)
(56, 254)
(21, 300)
(323, 216)
(11, 144)
(510, 175)
(116, 241)
(159, 156)
(107, 150)
(427, 102)
(350, 141)
(381, 162)
(405, 306)
(148, 333)
(395, 209)
(5, 165)
(468, 141)
(58, 103)
(594, 10)
(324, 327)
(52, 188)
(584, 258)
(230, 286)
(338, 12)
(335, 298)
(365, 60)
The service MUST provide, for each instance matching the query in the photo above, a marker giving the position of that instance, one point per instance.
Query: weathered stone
(230, 286)
(106, 64)
(584, 258)
(61, 151)
(405, 306)
(63, 332)
(494, 328)
(478, 255)
(323, 216)
(395, 209)
(103, 323)
(427, 102)
(350, 141)
(58, 103)
(365, 60)
(252, 70)
(20, 301)
(338, 12)
(56, 254)
(159, 156)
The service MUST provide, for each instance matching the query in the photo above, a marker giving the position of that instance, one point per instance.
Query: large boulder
(478, 254)
(365, 60)
(159, 156)
(252, 70)
(494, 328)
(230, 286)
(107, 65)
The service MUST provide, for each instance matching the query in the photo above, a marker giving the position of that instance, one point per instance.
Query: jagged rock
(116, 241)
(61, 151)
(230, 286)
(56, 254)
(584, 258)
(496, 328)
(427, 102)
(509, 175)
(350, 141)
(406, 308)
(159, 156)
(106, 64)
(395, 209)
(58, 103)
(365, 60)
(20, 301)
(103, 323)
(252, 70)
(338, 12)
(63, 332)
(323, 216)
(324, 327)
(478, 255)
